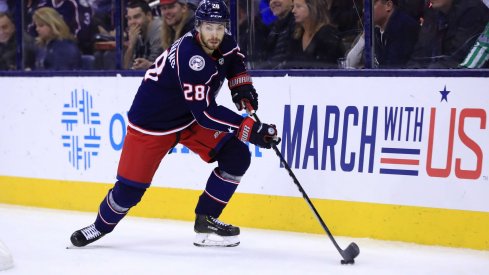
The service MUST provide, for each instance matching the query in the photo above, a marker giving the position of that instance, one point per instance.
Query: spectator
(77, 14)
(316, 42)
(276, 47)
(450, 28)
(7, 42)
(396, 33)
(57, 47)
(67, 9)
(178, 19)
(8, 45)
(144, 33)
(479, 54)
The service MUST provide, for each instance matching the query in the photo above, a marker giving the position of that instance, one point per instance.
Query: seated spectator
(57, 49)
(316, 42)
(395, 33)
(77, 14)
(479, 54)
(144, 36)
(8, 45)
(178, 19)
(450, 28)
(276, 47)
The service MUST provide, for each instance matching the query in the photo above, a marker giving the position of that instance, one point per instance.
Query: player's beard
(212, 46)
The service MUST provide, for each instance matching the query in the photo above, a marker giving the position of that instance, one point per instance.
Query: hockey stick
(352, 250)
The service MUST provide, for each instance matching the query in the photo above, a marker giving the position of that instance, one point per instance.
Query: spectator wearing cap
(450, 28)
(395, 34)
(178, 19)
(144, 36)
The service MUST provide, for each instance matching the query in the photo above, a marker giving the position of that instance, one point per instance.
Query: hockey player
(175, 103)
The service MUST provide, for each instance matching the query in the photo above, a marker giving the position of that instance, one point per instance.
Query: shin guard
(115, 206)
(218, 191)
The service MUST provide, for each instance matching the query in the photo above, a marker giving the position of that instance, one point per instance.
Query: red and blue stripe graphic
(399, 161)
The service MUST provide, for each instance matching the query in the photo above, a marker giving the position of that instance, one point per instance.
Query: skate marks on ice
(38, 238)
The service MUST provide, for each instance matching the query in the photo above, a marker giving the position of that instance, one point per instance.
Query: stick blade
(350, 253)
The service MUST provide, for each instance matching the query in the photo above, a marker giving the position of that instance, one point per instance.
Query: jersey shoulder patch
(197, 63)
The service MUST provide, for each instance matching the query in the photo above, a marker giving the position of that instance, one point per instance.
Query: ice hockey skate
(214, 233)
(86, 236)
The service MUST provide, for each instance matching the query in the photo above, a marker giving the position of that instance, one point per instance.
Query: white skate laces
(219, 222)
(90, 232)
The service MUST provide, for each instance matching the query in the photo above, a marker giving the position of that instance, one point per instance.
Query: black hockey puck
(352, 261)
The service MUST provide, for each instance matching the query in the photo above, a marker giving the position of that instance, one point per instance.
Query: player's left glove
(242, 91)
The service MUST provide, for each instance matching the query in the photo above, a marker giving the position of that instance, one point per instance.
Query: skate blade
(77, 247)
(213, 240)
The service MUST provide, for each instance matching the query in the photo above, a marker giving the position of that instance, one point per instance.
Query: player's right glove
(261, 134)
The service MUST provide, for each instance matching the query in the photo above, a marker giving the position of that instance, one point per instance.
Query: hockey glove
(242, 90)
(261, 134)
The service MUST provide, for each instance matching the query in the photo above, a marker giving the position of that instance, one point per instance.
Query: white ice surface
(37, 239)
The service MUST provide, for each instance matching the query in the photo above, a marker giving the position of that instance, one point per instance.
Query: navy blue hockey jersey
(181, 87)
